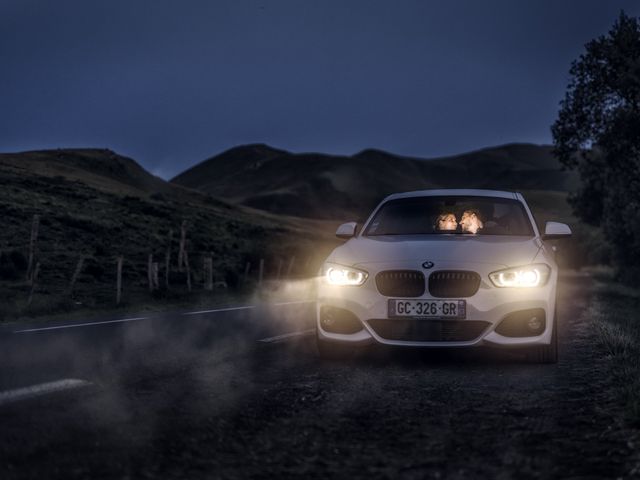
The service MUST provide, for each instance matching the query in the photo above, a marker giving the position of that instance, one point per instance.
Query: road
(241, 393)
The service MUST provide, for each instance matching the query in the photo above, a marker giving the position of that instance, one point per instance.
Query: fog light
(534, 324)
(523, 323)
(327, 319)
(339, 320)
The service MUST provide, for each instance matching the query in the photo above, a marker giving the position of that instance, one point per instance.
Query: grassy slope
(613, 314)
(100, 205)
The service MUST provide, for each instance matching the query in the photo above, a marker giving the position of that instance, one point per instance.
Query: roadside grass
(615, 317)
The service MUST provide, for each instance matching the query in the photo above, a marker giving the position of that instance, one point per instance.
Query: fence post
(167, 261)
(306, 266)
(208, 273)
(35, 224)
(183, 241)
(185, 258)
(76, 274)
(150, 272)
(292, 261)
(154, 275)
(245, 278)
(119, 280)
(34, 279)
(260, 272)
(279, 269)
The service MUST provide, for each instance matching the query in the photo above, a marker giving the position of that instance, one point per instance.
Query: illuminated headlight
(528, 276)
(340, 275)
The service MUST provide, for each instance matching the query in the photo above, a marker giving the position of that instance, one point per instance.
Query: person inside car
(470, 222)
(447, 222)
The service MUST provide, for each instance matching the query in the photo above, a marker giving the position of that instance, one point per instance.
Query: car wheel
(333, 350)
(546, 353)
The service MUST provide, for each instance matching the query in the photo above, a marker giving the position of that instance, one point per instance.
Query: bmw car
(443, 268)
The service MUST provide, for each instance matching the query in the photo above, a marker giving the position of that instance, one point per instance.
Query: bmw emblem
(428, 264)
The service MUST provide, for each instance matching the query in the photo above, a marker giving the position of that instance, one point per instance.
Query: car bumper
(489, 305)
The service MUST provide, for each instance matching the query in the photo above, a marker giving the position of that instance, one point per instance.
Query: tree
(597, 132)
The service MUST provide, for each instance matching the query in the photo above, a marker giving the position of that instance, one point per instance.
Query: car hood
(497, 250)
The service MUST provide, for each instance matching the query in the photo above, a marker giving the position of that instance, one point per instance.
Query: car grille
(400, 283)
(411, 330)
(453, 283)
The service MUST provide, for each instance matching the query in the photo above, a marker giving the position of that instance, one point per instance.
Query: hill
(328, 186)
(98, 168)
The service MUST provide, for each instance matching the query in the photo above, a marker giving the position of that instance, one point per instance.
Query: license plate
(428, 308)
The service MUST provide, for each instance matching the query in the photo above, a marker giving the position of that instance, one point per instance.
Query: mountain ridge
(318, 185)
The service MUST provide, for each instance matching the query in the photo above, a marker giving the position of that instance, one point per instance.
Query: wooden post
(150, 272)
(260, 272)
(34, 279)
(167, 261)
(292, 261)
(119, 280)
(306, 266)
(187, 269)
(35, 224)
(208, 273)
(154, 275)
(279, 269)
(183, 241)
(76, 274)
(245, 277)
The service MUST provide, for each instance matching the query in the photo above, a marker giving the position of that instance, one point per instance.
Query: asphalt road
(242, 394)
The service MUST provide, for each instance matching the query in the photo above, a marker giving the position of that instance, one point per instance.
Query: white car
(442, 268)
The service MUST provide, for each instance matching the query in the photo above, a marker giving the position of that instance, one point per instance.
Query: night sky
(171, 83)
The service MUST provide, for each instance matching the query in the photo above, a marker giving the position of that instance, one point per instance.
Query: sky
(170, 83)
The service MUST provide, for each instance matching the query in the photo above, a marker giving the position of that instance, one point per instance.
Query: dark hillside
(99, 205)
(99, 168)
(326, 186)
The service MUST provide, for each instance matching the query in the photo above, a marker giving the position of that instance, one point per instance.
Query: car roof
(454, 192)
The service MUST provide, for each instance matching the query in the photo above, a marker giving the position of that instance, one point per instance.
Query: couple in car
(469, 222)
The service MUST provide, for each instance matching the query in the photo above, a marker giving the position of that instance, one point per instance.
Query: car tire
(546, 353)
(333, 350)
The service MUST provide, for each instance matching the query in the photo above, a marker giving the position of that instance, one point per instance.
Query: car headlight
(341, 275)
(527, 276)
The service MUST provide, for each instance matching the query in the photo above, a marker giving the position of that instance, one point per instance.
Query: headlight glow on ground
(527, 276)
(339, 275)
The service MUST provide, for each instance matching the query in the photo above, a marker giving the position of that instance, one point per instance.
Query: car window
(451, 215)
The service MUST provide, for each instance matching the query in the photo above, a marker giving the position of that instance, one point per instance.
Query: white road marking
(286, 336)
(76, 325)
(40, 389)
(299, 302)
(245, 307)
(228, 309)
(121, 320)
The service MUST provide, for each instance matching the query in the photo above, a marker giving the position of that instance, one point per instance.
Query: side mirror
(347, 230)
(554, 230)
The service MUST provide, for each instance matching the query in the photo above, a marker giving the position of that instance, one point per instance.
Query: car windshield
(467, 215)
